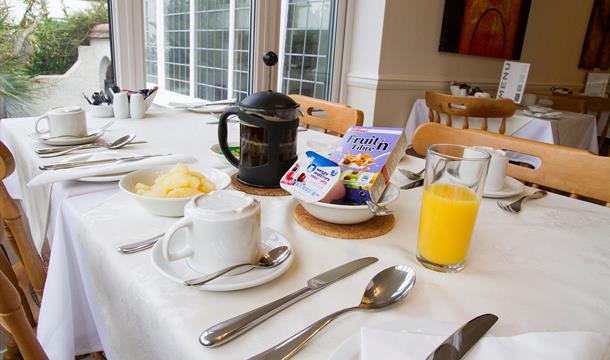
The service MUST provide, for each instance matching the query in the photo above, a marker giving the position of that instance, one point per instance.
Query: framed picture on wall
(485, 27)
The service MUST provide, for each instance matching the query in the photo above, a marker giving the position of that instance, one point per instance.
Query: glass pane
(150, 40)
(177, 46)
(307, 49)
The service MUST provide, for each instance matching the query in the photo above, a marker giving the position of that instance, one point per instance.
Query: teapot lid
(269, 100)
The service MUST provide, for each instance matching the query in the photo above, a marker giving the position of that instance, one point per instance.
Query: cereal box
(368, 156)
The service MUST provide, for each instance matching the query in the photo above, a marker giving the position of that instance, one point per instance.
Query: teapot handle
(222, 135)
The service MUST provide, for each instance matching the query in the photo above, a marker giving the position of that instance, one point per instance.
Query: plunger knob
(270, 58)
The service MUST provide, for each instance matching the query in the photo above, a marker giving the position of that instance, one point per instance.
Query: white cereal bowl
(349, 214)
(173, 207)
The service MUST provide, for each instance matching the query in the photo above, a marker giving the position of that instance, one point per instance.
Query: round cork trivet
(377, 226)
(255, 190)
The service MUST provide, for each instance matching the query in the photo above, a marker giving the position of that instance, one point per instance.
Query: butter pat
(314, 178)
(176, 183)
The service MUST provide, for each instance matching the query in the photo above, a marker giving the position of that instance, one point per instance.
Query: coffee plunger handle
(270, 59)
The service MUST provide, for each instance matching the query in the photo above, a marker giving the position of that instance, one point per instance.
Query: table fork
(515, 207)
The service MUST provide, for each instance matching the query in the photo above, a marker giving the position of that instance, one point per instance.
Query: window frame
(129, 51)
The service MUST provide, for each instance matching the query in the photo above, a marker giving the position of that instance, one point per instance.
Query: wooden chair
(562, 103)
(16, 316)
(598, 105)
(575, 171)
(338, 117)
(17, 231)
(29, 272)
(467, 107)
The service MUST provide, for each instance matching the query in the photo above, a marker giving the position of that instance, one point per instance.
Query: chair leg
(12, 351)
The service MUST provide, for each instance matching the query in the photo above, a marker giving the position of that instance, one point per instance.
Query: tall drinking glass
(453, 187)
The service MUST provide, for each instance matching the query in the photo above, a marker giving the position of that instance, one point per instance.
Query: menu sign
(596, 84)
(512, 80)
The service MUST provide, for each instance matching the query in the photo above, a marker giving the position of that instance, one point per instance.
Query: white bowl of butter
(165, 190)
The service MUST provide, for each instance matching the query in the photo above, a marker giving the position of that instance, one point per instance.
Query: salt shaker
(120, 104)
(136, 106)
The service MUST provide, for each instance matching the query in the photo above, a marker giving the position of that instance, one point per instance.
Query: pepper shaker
(136, 106)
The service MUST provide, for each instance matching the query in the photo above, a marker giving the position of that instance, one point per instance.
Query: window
(206, 46)
(306, 55)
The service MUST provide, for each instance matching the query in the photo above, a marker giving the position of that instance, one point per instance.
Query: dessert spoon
(386, 288)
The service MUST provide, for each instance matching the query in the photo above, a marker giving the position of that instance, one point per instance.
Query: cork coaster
(377, 226)
(256, 191)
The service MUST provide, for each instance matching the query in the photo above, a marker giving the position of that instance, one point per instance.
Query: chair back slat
(564, 103)
(570, 170)
(338, 117)
(470, 107)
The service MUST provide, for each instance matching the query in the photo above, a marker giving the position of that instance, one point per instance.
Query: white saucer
(179, 271)
(93, 134)
(510, 188)
(210, 109)
(99, 156)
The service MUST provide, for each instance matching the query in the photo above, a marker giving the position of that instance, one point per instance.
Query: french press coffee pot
(268, 135)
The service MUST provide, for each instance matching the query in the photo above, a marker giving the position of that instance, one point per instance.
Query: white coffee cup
(497, 168)
(529, 100)
(64, 121)
(223, 229)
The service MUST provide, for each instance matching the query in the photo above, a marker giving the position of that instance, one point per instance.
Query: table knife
(458, 344)
(234, 327)
(51, 150)
(140, 245)
(73, 164)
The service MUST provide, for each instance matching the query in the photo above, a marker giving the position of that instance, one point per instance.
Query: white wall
(410, 63)
(364, 28)
(85, 76)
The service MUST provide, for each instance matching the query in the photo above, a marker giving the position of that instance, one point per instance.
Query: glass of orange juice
(453, 187)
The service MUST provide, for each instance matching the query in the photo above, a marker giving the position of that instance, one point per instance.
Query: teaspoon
(271, 259)
(386, 288)
(116, 144)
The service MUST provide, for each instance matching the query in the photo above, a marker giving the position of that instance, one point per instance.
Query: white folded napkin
(52, 176)
(389, 345)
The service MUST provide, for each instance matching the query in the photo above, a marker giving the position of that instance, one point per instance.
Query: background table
(546, 269)
(572, 129)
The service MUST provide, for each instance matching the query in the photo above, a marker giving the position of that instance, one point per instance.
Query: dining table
(570, 129)
(546, 269)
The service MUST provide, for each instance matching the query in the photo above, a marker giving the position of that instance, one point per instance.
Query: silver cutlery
(179, 105)
(271, 259)
(464, 338)
(73, 164)
(139, 245)
(116, 144)
(377, 209)
(386, 288)
(56, 149)
(515, 207)
(412, 175)
(413, 185)
(230, 329)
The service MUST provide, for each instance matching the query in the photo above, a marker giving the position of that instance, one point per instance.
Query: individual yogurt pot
(314, 178)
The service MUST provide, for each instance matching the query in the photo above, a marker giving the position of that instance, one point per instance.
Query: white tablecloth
(547, 269)
(572, 129)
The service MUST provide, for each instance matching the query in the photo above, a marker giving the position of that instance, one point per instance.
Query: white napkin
(51, 176)
(389, 345)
